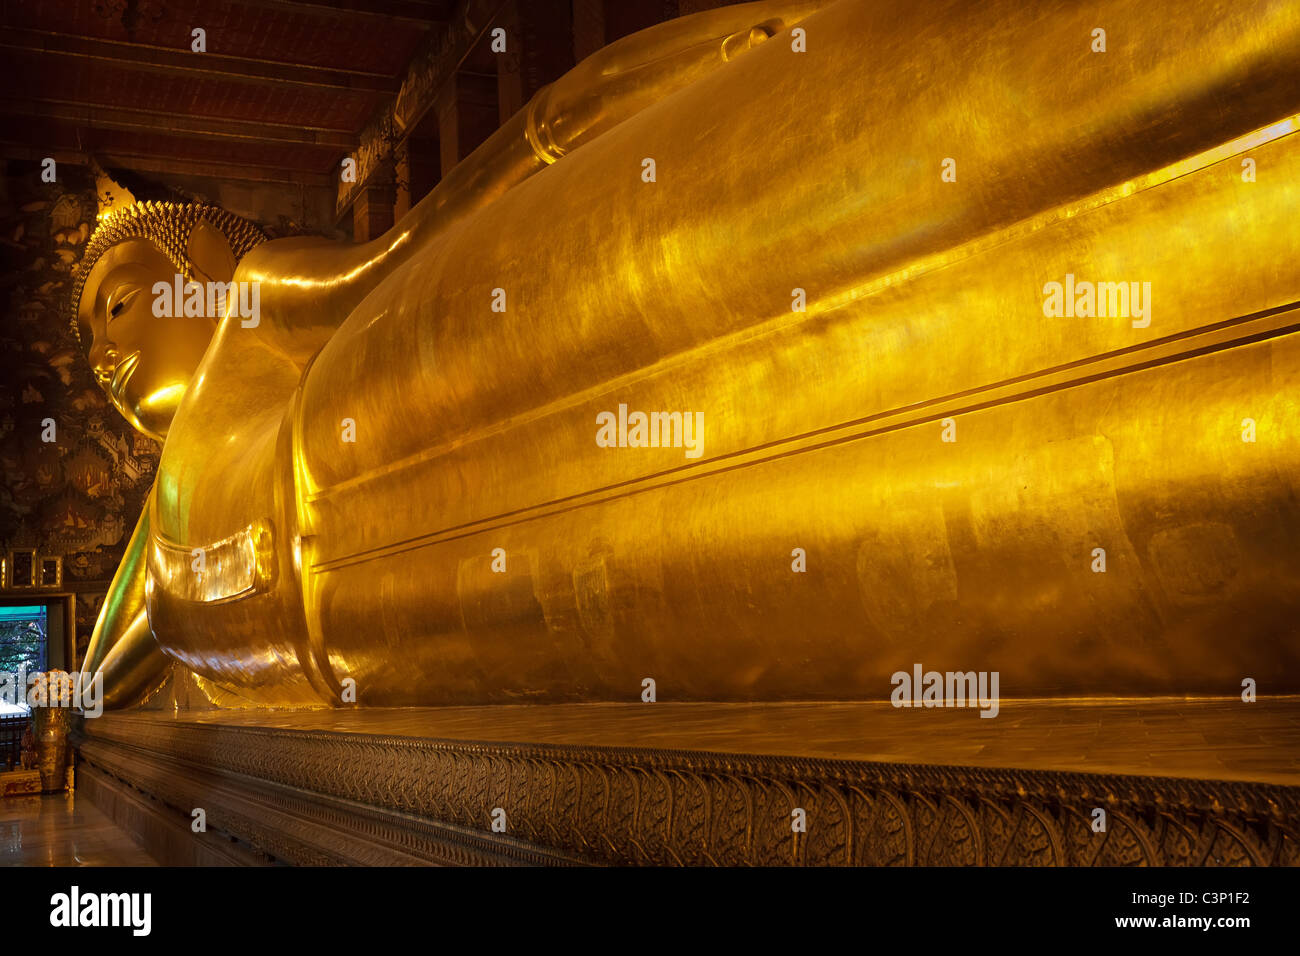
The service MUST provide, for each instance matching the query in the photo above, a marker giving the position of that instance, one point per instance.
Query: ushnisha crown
(168, 226)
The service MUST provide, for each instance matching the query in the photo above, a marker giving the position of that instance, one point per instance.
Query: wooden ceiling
(281, 94)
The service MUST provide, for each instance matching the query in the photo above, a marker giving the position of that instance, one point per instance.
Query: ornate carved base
(303, 796)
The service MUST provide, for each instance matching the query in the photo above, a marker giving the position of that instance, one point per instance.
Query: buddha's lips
(122, 373)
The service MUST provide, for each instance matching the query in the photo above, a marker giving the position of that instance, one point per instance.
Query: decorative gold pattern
(317, 797)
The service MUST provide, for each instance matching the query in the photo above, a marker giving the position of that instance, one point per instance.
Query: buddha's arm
(122, 647)
(308, 287)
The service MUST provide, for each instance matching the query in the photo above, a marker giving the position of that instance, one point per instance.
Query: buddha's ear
(210, 254)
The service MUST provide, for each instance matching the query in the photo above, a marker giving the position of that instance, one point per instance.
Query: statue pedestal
(1181, 783)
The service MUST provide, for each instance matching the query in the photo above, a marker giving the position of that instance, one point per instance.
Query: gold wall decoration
(22, 568)
(51, 571)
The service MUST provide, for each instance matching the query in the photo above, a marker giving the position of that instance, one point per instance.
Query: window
(24, 645)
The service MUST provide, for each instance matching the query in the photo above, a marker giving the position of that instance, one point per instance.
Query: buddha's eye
(120, 300)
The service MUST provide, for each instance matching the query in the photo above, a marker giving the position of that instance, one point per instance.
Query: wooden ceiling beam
(169, 61)
(94, 116)
(110, 159)
(420, 13)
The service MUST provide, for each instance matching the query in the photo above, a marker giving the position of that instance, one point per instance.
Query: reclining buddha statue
(767, 352)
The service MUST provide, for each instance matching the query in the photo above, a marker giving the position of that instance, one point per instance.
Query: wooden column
(372, 212)
(588, 28)
(628, 16)
(467, 115)
(419, 165)
(539, 50)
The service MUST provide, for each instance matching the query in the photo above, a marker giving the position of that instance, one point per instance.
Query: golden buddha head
(144, 357)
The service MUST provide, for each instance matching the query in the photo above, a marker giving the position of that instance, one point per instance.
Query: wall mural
(77, 497)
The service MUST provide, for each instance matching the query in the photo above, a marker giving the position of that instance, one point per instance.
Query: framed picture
(51, 572)
(22, 568)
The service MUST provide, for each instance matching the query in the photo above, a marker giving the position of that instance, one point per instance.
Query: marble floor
(61, 829)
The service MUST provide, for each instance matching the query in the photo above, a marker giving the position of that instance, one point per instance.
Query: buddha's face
(144, 362)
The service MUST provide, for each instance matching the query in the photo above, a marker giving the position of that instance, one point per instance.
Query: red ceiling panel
(29, 75)
(61, 60)
(280, 34)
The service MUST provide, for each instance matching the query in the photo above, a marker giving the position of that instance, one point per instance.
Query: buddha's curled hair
(168, 226)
